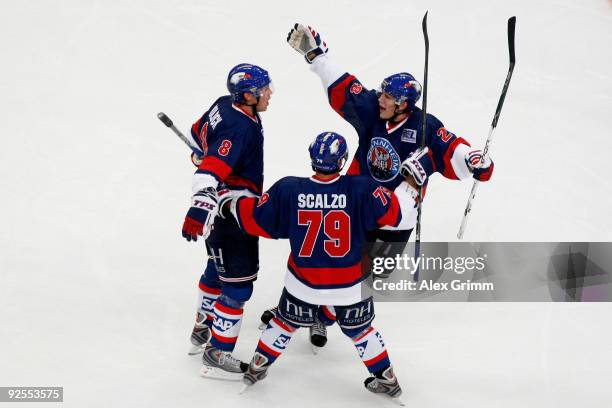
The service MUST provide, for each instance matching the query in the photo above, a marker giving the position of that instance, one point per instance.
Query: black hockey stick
(417, 242)
(168, 122)
(485, 151)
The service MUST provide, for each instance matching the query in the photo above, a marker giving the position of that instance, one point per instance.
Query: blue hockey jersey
(231, 140)
(383, 146)
(326, 224)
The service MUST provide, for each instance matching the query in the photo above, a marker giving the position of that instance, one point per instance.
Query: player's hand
(482, 170)
(226, 197)
(201, 216)
(306, 41)
(228, 200)
(418, 165)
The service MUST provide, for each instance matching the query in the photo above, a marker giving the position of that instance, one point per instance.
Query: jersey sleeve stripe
(319, 277)
(433, 162)
(215, 166)
(246, 217)
(235, 181)
(195, 129)
(449, 172)
(392, 216)
(354, 169)
(337, 92)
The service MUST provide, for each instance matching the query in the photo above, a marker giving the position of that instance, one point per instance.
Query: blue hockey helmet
(403, 87)
(247, 78)
(328, 153)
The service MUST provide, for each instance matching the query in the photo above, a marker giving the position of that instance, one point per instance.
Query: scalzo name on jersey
(322, 201)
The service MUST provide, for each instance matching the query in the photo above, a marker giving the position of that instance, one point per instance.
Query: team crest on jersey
(383, 160)
(409, 135)
(356, 88)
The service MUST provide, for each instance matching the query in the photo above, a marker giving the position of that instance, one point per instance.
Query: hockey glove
(307, 42)
(482, 170)
(226, 199)
(418, 165)
(201, 215)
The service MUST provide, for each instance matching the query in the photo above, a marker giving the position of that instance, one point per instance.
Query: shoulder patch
(409, 135)
(356, 88)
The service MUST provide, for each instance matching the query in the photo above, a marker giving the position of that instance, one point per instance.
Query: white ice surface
(97, 289)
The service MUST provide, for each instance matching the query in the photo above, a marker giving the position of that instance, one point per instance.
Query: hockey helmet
(403, 87)
(328, 153)
(247, 78)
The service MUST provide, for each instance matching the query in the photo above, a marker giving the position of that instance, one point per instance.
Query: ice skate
(256, 371)
(266, 316)
(200, 335)
(386, 385)
(221, 365)
(318, 335)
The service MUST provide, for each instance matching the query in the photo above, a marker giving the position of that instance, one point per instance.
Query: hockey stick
(168, 122)
(417, 242)
(485, 151)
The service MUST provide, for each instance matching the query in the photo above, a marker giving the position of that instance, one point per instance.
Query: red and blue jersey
(383, 145)
(232, 142)
(326, 224)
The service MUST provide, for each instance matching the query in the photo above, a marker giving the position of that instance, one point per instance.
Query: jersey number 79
(336, 227)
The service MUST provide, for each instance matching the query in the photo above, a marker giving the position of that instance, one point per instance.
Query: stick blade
(425, 28)
(511, 27)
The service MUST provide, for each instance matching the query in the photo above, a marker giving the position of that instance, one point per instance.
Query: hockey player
(388, 124)
(326, 218)
(230, 135)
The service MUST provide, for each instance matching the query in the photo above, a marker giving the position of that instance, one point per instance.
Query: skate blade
(315, 349)
(218, 374)
(195, 350)
(243, 389)
(262, 326)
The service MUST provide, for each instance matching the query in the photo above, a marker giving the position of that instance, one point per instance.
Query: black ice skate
(221, 365)
(386, 383)
(257, 371)
(266, 316)
(200, 335)
(318, 335)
